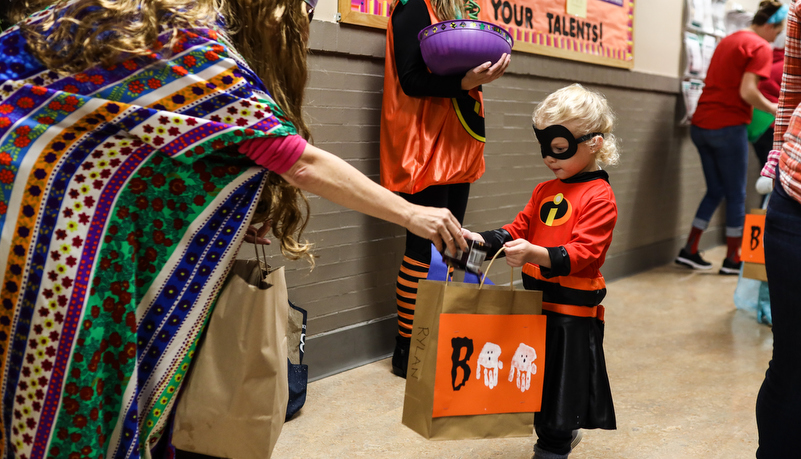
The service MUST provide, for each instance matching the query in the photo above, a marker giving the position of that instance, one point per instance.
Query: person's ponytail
(767, 9)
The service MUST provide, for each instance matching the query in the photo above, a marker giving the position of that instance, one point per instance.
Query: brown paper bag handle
(266, 269)
(511, 272)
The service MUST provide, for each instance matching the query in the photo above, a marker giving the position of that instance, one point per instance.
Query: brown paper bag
(435, 298)
(234, 402)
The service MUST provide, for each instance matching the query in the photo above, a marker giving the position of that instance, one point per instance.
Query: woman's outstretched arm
(328, 176)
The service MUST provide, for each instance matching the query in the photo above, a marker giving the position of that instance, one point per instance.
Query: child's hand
(467, 234)
(485, 73)
(519, 252)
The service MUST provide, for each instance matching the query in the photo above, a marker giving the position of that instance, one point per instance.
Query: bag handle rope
(262, 260)
(511, 271)
(481, 284)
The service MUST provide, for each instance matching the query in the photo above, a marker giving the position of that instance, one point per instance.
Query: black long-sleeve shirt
(415, 79)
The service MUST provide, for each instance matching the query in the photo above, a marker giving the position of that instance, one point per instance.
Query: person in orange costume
(432, 139)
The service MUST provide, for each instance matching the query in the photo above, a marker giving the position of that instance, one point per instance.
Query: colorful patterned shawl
(120, 211)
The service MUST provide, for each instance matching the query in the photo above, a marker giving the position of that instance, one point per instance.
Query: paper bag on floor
(234, 401)
(476, 361)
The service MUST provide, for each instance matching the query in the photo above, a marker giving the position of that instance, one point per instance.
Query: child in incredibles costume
(561, 239)
(432, 139)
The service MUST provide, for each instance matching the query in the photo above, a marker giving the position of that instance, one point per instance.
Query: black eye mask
(557, 131)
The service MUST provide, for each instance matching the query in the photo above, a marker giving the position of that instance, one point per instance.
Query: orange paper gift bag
(476, 361)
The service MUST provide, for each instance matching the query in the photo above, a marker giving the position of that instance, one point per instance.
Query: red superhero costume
(573, 219)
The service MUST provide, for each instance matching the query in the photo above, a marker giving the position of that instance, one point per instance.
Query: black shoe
(730, 268)
(400, 358)
(692, 260)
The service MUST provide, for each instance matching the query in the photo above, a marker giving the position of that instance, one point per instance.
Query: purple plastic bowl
(454, 47)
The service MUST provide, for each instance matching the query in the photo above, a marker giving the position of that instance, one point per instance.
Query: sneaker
(730, 268)
(692, 260)
(400, 358)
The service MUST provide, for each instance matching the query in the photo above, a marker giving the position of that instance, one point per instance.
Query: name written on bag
(419, 346)
(489, 364)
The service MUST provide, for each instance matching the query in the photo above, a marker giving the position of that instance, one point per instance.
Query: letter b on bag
(458, 344)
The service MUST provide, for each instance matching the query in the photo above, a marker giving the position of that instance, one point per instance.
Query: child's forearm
(520, 251)
(540, 256)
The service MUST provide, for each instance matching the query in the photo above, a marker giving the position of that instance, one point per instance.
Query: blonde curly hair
(271, 35)
(588, 109)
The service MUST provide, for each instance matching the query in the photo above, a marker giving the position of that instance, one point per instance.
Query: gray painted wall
(350, 293)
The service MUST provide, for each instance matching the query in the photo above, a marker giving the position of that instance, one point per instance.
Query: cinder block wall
(350, 294)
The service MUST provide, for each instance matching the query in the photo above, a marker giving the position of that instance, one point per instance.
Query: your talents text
(568, 26)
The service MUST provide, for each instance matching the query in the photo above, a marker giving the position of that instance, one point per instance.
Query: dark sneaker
(400, 358)
(730, 268)
(692, 260)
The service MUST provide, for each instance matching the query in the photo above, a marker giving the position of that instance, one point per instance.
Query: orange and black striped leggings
(417, 256)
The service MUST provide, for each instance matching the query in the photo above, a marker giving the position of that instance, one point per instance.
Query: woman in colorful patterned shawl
(124, 196)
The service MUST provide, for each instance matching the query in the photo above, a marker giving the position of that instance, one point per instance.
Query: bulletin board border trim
(552, 46)
(348, 16)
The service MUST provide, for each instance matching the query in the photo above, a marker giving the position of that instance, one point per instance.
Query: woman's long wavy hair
(271, 35)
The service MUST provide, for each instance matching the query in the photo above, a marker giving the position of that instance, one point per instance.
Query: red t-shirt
(720, 104)
(771, 87)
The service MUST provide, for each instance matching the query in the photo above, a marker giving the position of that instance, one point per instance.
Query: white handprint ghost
(523, 362)
(489, 358)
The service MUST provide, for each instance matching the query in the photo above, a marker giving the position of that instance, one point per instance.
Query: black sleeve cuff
(560, 263)
(495, 239)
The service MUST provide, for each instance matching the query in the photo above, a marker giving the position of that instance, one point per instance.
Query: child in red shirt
(561, 239)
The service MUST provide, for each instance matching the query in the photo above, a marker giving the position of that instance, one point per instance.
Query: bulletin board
(595, 31)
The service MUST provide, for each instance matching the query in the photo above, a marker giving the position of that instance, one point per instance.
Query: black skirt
(576, 393)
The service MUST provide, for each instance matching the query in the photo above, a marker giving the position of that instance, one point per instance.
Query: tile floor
(685, 366)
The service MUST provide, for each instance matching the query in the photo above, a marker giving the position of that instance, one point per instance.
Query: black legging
(417, 257)
(453, 197)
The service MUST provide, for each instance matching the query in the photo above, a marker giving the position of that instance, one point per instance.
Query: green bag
(760, 123)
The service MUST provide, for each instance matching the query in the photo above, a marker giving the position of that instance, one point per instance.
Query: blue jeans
(778, 407)
(724, 157)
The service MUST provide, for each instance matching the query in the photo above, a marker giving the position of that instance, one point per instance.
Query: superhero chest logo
(555, 210)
